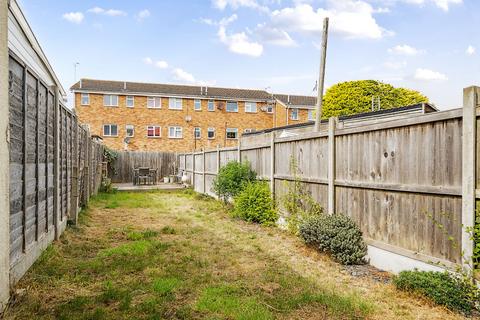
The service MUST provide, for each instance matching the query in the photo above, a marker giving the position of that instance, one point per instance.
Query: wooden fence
(55, 166)
(394, 178)
(123, 166)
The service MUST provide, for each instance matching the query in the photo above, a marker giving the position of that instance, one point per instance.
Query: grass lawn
(177, 255)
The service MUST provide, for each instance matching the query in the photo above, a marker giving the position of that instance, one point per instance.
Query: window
(110, 100)
(232, 133)
(175, 132)
(110, 130)
(250, 107)
(85, 99)
(211, 133)
(294, 114)
(130, 130)
(232, 106)
(211, 105)
(310, 115)
(130, 101)
(197, 104)
(248, 130)
(154, 102)
(270, 108)
(154, 131)
(175, 103)
(197, 132)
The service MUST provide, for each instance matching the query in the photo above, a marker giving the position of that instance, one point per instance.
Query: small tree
(255, 204)
(232, 178)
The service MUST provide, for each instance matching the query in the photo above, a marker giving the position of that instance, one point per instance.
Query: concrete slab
(159, 186)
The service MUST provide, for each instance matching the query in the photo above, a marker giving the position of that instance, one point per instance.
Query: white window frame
(208, 133)
(195, 104)
(211, 103)
(110, 103)
(153, 126)
(126, 130)
(294, 111)
(132, 99)
(154, 99)
(82, 96)
(250, 107)
(199, 130)
(236, 103)
(269, 108)
(310, 116)
(110, 130)
(176, 130)
(227, 130)
(175, 103)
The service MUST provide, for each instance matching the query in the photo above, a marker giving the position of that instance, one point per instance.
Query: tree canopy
(352, 97)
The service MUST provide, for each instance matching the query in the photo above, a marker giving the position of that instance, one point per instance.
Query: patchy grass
(177, 255)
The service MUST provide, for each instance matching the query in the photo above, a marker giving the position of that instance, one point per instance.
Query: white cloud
(182, 75)
(235, 4)
(107, 12)
(470, 50)
(429, 75)
(223, 22)
(351, 18)
(148, 60)
(161, 64)
(395, 65)
(73, 17)
(240, 43)
(405, 50)
(142, 15)
(275, 36)
(442, 4)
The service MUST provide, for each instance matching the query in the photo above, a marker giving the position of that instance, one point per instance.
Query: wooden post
(321, 76)
(37, 161)
(331, 165)
(239, 151)
(56, 157)
(24, 173)
(193, 169)
(74, 204)
(87, 165)
(272, 164)
(470, 102)
(203, 171)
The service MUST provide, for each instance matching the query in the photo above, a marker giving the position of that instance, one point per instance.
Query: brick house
(166, 117)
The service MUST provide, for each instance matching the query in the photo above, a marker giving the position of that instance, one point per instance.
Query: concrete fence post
(272, 164)
(239, 151)
(331, 164)
(4, 161)
(470, 103)
(193, 169)
(218, 159)
(203, 171)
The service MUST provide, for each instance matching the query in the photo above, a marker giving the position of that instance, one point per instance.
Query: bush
(255, 204)
(441, 287)
(231, 179)
(337, 235)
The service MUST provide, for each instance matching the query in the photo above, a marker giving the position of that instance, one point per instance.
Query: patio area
(158, 186)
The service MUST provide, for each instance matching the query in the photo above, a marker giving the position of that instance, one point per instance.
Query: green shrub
(231, 179)
(255, 204)
(441, 287)
(337, 235)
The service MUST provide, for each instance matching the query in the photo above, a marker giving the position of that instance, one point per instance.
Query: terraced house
(166, 117)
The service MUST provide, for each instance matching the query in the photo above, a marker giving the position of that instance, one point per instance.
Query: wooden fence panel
(128, 160)
(210, 162)
(259, 160)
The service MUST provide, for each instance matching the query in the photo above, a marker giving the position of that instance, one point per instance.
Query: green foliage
(354, 97)
(106, 185)
(232, 178)
(337, 235)
(297, 201)
(110, 156)
(255, 204)
(442, 288)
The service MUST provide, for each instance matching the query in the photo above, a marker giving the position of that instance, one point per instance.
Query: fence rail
(400, 180)
(126, 161)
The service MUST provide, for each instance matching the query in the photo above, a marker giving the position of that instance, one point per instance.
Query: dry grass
(174, 255)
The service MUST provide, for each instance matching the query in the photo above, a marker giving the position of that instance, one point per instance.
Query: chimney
(80, 83)
(206, 90)
(124, 85)
(201, 90)
(288, 99)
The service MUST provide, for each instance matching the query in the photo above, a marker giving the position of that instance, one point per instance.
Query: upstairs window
(270, 108)
(211, 105)
(232, 106)
(175, 103)
(130, 130)
(211, 133)
(154, 131)
(197, 104)
(110, 130)
(294, 114)
(175, 132)
(232, 133)
(197, 132)
(110, 100)
(250, 107)
(130, 101)
(85, 99)
(154, 102)
(310, 115)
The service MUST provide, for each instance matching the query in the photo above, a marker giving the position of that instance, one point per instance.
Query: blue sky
(429, 45)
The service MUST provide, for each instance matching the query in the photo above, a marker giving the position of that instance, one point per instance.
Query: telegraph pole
(321, 76)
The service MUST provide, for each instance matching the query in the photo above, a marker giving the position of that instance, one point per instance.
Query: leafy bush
(255, 204)
(441, 287)
(337, 235)
(231, 179)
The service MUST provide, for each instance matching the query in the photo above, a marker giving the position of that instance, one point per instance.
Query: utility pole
(321, 76)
